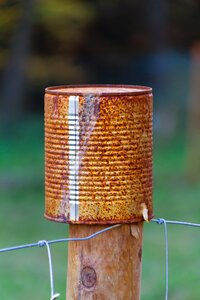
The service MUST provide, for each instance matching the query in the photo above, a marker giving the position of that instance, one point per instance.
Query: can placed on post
(98, 154)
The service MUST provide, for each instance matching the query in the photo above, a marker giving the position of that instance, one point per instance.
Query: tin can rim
(98, 89)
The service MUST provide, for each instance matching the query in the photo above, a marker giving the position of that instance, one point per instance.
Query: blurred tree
(116, 34)
(193, 151)
(184, 23)
(14, 75)
(157, 22)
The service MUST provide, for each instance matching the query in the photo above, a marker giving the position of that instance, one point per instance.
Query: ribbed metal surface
(98, 154)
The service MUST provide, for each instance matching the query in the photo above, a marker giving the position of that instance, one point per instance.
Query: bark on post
(98, 171)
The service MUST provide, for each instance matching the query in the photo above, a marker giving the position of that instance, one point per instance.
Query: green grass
(175, 198)
(24, 274)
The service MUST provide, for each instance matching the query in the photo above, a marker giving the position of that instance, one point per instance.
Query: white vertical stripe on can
(74, 157)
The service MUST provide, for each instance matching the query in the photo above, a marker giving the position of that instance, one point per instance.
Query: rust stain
(115, 145)
(55, 105)
(89, 114)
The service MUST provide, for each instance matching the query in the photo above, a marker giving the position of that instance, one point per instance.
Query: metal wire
(163, 221)
(176, 222)
(59, 240)
(46, 243)
(43, 243)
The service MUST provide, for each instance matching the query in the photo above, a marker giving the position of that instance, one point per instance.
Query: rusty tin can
(98, 154)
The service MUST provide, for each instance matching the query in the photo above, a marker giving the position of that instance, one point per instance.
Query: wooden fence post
(98, 172)
(106, 267)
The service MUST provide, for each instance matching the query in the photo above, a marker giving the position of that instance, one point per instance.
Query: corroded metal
(98, 154)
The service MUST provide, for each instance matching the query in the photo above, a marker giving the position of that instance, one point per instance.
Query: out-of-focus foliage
(72, 40)
(9, 16)
(95, 41)
(39, 45)
(60, 29)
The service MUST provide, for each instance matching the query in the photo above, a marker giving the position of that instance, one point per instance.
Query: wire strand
(14, 248)
(42, 244)
(159, 221)
(46, 243)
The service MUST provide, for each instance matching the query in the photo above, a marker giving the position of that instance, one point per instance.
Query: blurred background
(154, 43)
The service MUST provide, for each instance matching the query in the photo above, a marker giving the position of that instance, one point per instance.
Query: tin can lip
(99, 90)
(60, 219)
